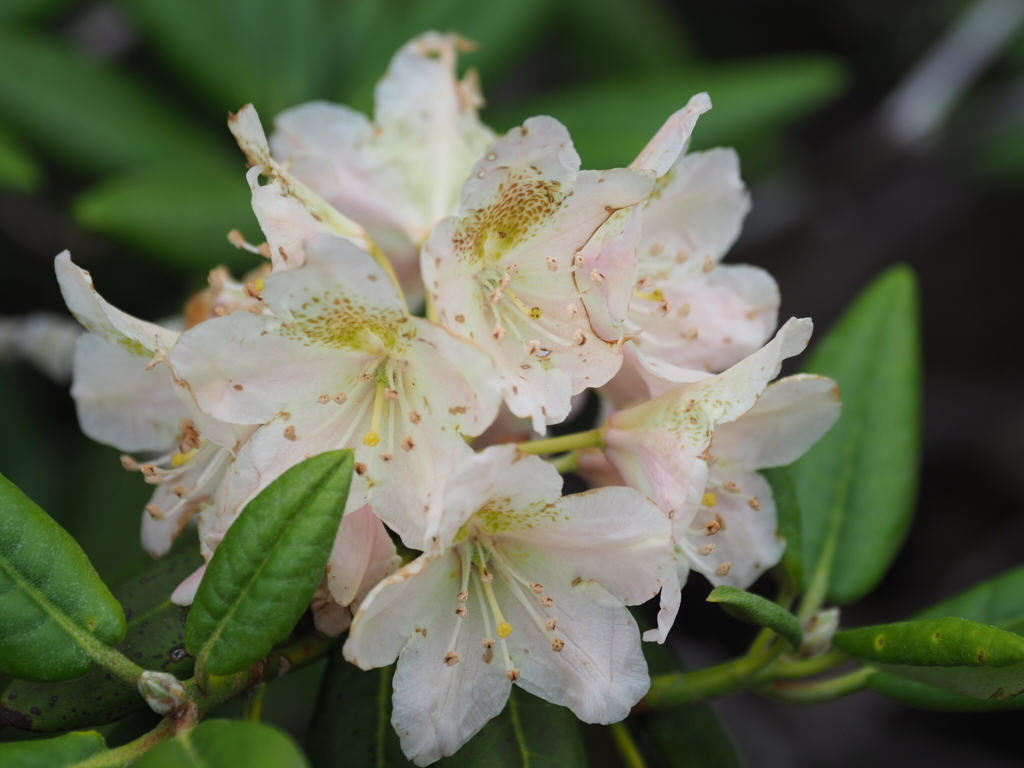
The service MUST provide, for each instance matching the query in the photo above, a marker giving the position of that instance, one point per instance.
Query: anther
(219, 311)
(414, 417)
(496, 296)
(755, 503)
(536, 587)
(391, 394)
(682, 255)
(488, 642)
(709, 264)
(711, 527)
(546, 601)
(451, 658)
(504, 630)
(571, 311)
(512, 674)
(579, 338)
(461, 611)
(552, 263)
(324, 399)
(360, 468)
(596, 278)
(180, 491)
(691, 334)
(366, 377)
(552, 623)
(656, 249)
(558, 644)
(149, 470)
(236, 239)
(731, 486)
(129, 463)
(709, 500)
(513, 268)
(408, 444)
(577, 259)
(498, 333)
(532, 348)
(340, 398)
(506, 279)
(723, 569)
(289, 432)
(252, 291)
(386, 456)
(705, 550)
(486, 577)
(155, 512)
(684, 310)
(463, 595)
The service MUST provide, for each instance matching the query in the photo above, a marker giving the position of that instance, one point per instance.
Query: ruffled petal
(362, 555)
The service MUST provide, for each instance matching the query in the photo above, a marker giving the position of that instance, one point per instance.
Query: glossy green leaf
(60, 752)
(924, 696)
(226, 743)
(155, 639)
(56, 612)
(180, 213)
(957, 655)
(92, 117)
(529, 733)
(610, 122)
(17, 167)
(857, 485)
(687, 736)
(268, 566)
(790, 522)
(755, 609)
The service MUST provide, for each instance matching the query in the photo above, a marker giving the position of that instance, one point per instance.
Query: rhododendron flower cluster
(425, 279)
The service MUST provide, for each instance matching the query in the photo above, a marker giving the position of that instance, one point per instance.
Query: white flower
(400, 174)
(124, 399)
(694, 314)
(335, 361)
(659, 447)
(520, 586)
(733, 537)
(507, 270)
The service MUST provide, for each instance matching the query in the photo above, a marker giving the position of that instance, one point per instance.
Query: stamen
(155, 512)
(706, 549)
(372, 437)
(504, 629)
(451, 658)
(731, 486)
(537, 588)
(655, 295)
(324, 399)
(596, 278)
(552, 623)
(498, 333)
(552, 263)
(129, 463)
(577, 259)
(755, 503)
(506, 279)
(723, 569)
(236, 239)
(557, 644)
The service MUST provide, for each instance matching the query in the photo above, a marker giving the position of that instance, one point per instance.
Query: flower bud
(163, 692)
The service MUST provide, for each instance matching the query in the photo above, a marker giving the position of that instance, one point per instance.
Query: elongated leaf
(268, 566)
(61, 752)
(155, 639)
(611, 122)
(225, 743)
(687, 736)
(957, 655)
(790, 522)
(17, 168)
(90, 116)
(180, 213)
(755, 609)
(55, 609)
(924, 696)
(998, 601)
(529, 733)
(857, 485)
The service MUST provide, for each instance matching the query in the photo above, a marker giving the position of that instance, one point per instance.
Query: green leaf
(179, 212)
(927, 697)
(92, 117)
(857, 485)
(56, 612)
(957, 655)
(610, 122)
(223, 743)
(155, 639)
(998, 601)
(689, 735)
(529, 733)
(790, 522)
(11, 10)
(17, 168)
(268, 566)
(755, 609)
(60, 752)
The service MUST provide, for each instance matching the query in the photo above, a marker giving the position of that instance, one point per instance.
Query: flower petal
(363, 554)
(791, 416)
(673, 137)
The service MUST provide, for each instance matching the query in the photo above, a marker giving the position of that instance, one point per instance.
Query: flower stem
(631, 756)
(252, 704)
(562, 443)
(826, 690)
(430, 310)
(708, 683)
(130, 752)
(793, 670)
(566, 462)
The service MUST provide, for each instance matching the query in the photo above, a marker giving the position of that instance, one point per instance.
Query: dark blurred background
(870, 133)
